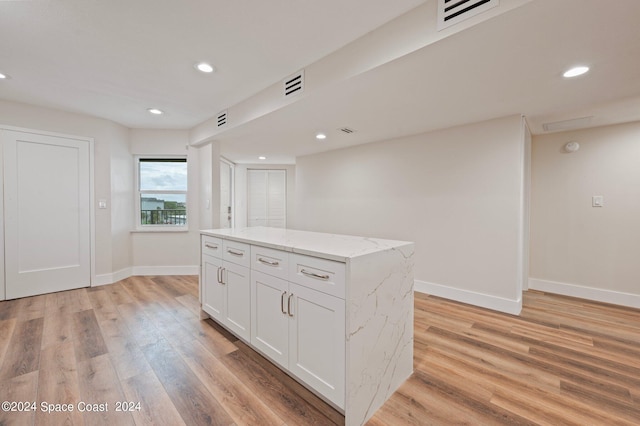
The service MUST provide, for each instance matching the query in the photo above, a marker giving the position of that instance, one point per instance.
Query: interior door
(47, 224)
(267, 198)
(226, 194)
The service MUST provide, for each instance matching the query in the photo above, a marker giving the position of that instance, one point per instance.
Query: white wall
(166, 253)
(241, 191)
(457, 193)
(110, 139)
(577, 249)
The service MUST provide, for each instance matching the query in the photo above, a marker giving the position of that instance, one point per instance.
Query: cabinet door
(213, 292)
(238, 297)
(269, 319)
(317, 341)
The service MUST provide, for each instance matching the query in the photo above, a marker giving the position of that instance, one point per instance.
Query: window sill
(158, 230)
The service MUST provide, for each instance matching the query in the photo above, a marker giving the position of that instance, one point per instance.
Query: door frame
(232, 189)
(92, 212)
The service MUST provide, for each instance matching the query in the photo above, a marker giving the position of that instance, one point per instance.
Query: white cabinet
(270, 321)
(213, 291)
(302, 330)
(237, 284)
(226, 284)
(317, 341)
(335, 312)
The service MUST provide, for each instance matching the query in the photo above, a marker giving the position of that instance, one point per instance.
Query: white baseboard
(166, 270)
(466, 296)
(589, 293)
(122, 274)
(113, 277)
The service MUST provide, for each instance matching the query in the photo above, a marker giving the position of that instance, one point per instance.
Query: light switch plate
(102, 204)
(597, 201)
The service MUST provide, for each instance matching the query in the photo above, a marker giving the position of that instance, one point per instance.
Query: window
(162, 193)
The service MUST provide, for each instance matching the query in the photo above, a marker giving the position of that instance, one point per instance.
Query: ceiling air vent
(222, 118)
(294, 84)
(574, 123)
(450, 12)
(347, 130)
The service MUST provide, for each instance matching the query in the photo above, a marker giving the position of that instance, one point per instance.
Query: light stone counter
(378, 307)
(326, 246)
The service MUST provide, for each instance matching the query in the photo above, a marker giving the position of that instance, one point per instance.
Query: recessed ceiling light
(3, 76)
(205, 67)
(262, 157)
(155, 111)
(575, 71)
(321, 136)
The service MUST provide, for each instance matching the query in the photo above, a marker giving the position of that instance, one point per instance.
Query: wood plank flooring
(564, 361)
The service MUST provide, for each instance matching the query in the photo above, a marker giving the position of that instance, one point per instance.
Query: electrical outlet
(597, 201)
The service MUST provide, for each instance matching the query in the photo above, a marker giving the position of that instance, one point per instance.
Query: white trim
(589, 293)
(92, 213)
(166, 270)
(2, 242)
(471, 297)
(105, 279)
(232, 177)
(113, 277)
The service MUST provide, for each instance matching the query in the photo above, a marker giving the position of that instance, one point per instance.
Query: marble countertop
(328, 246)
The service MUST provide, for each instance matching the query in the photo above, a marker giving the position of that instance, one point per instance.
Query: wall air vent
(222, 118)
(347, 130)
(294, 84)
(450, 12)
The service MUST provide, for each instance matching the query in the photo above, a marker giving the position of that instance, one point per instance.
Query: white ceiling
(115, 59)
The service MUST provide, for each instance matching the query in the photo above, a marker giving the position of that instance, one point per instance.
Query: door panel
(47, 213)
(267, 198)
(317, 341)
(212, 291)
(269, 321)
(238, 286)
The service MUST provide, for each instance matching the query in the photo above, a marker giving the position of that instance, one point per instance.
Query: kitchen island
(333, 311)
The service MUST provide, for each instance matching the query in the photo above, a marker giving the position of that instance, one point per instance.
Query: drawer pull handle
(235, 252)
(289, 305)
(314, 275)
(268, 262)
(282, 302)
(209, 246)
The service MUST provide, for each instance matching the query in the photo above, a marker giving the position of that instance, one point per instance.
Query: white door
(47, 219)
(213, 291)
(317, 341)
(237, 283)
(269, 319)
(267, 198)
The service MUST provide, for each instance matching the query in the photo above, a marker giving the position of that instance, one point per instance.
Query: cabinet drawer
(211, 246)
(270, 261)
(235, 252)
(327, 276)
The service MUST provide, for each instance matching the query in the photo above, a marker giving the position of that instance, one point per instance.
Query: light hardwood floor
(563, 361)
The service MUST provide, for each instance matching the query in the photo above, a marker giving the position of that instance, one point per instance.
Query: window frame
(139, 227)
